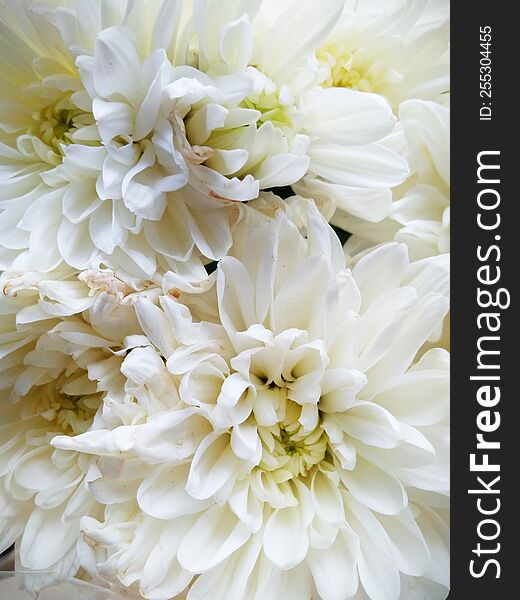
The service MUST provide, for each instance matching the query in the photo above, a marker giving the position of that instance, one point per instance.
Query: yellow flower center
(344, 68)
(70, 414)
(56, 124)
(288, 451)
(270, 109)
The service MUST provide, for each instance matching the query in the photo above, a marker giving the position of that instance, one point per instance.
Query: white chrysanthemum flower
(300, 128)
(31, 304)
(230, 128)
(62, 185)
(58, 339)
(397, 49)
(295, 445)
(38, 114)
(128, 155)
(420, 211)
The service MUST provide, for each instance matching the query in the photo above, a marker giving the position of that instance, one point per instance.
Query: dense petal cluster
(397, 49)
(420, 210)
(58, 345)
(302, 435)
(126, 141)
(202, 392)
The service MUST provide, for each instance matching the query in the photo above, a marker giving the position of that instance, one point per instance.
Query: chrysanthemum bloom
(249, 116)
(58, 339)
(420, 212)
(398, 50)
(303, 453)
(62, 187)
(300, 129)
(145, 125)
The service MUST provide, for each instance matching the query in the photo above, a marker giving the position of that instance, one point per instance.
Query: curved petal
(46, 538)
(215, 535)
(162, 495)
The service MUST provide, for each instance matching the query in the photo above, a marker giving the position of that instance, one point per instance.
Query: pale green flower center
(287, 451)
(270, 109)
(55, 125)
(55, 118)
(343, 68)
(70, 414)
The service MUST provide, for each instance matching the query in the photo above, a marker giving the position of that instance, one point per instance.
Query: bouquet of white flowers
(224, 257)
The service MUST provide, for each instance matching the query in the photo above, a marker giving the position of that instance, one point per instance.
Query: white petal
(232, 390)
(412, 553)
(213, 466)
(375, 488)
(104, 442)
(372, 425)
(427, 131)
(418, 398)
(368, 166)
(211, 232)
(235, 295)
(378, 571)
(229, 579)
(327, 499)
(162, 495)
(215, 535)
(236, 43)
(79, 202)
(113, 119)
(380, 271)
(334, 569)
(421, 321)
(105, 229)
(170, 235)
(213, 18)
(347, 117)
(437, 535)
(75, 244)
(142, 365)
(208, 118)
(281, 170)
(143, 199)
(228, 162)
(289, 310)
(223, 188)
(298, 31)
(46, 538)
(285, 538)
(171, 436)
(162, 576)
(246, 443)
(156, 326)
(116, 63)
(244, 503)
(149, 110)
